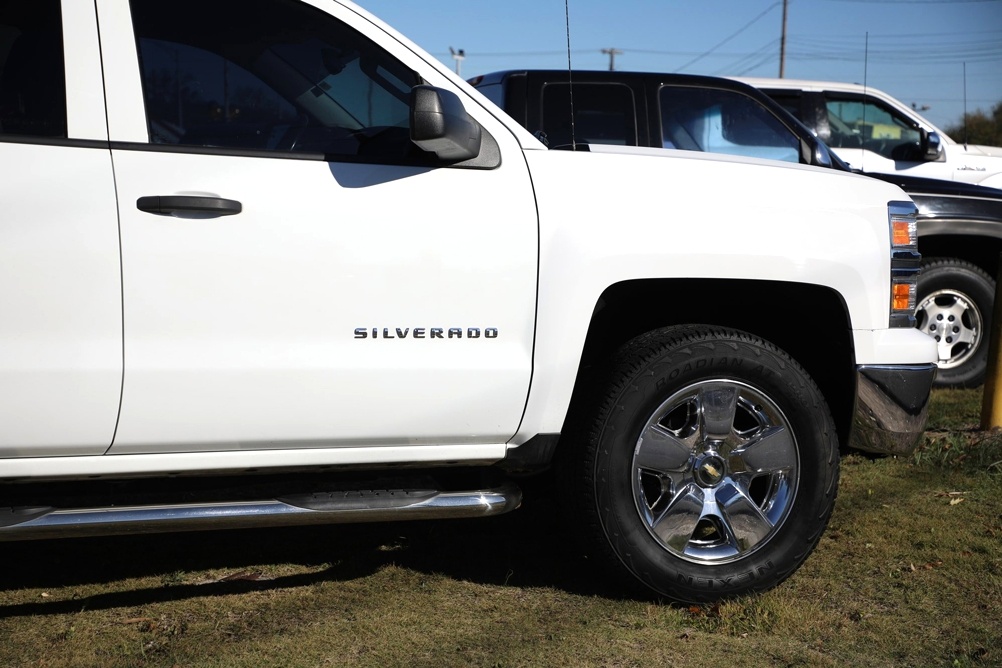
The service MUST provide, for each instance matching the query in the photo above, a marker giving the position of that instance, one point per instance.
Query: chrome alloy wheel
(953, 319)
(715, 471)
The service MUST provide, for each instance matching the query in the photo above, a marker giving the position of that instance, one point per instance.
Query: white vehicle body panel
(60, 282)
(84, 79)
(61, 300)
(240, 335)
(241, 330)
(592, 241)
(968, 163)
(140, 465)
(890, 346)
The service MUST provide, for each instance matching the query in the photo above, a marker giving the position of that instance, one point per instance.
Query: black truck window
(604, 113)
(32, 75)
(723, 121)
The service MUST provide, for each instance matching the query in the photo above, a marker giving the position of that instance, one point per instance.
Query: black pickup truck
(959, 225)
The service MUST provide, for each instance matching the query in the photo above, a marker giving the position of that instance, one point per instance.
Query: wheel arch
(982, 251)
(810, 322)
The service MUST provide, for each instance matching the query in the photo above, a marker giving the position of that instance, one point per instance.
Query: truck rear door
(60, 274)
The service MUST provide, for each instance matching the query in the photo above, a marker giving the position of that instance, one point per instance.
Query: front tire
(710, 468)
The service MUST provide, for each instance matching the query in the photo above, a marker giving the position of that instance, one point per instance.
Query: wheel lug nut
(952, 318)
(949, 339)
(939, 317)
(956, 329)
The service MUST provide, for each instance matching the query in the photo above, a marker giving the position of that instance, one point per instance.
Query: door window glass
(790, 102)
(858, 124)
(723, 121)
(32, 75)
(603, 114)
(272, 75)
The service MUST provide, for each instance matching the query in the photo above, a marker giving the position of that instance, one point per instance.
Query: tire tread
(579, 476)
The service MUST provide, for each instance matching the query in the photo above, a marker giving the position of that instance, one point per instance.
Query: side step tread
(358, 498)
(318, 507)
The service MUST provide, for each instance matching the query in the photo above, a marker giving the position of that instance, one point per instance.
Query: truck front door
(296, 273)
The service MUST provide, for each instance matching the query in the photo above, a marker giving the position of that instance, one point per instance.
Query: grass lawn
(908, 574)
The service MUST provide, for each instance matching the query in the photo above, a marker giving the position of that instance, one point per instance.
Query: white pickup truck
(875, 132)
(289, 269)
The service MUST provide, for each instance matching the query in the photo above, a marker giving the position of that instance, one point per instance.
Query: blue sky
(917, 48)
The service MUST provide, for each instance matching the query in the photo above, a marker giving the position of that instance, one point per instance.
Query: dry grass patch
(909, 574)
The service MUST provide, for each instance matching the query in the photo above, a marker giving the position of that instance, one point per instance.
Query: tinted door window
(872, 126)
(723, 121)
(271, 75)
(790, 102)
(32, 76)
(494, 93)
(603, 114)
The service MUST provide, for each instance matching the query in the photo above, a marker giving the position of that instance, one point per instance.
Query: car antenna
(862, 139)
(965, 105)
(570, 70)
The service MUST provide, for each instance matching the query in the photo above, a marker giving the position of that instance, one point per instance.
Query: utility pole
(782, 43)
(612, 53)
(458, 55)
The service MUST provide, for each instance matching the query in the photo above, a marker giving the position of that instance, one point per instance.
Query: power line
(906, 36)
(740, 66)
(754, 66)
(915, 2)
(813, 46)
(729, 38)
(926, 49)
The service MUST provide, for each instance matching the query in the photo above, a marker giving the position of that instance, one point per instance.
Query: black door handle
(166, 205)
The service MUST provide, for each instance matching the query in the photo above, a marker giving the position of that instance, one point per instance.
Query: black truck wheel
(955, 302)
(710, 468)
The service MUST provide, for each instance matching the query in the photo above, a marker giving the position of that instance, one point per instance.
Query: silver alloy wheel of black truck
(955, 302)
(710, 469)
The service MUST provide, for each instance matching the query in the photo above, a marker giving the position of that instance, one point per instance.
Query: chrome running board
(340, 507)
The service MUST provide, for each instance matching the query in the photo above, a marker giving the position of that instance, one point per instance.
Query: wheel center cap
(710, 470)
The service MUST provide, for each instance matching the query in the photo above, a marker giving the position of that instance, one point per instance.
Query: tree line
(981, 127)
